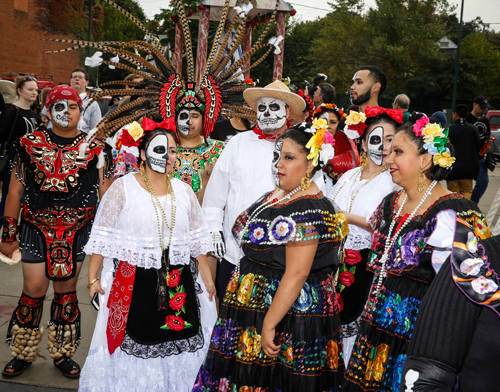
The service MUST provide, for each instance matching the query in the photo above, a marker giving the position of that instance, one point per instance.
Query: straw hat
(278, 90)
(8, 90)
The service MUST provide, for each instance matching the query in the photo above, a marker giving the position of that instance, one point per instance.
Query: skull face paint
(184, 121)
(376, 145)
(276, 159)
(157, 154)
(60, 113)
(271, 114)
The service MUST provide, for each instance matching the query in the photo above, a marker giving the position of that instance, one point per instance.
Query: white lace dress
(126, 229)
(368, 197)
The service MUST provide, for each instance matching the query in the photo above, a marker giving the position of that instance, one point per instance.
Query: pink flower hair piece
(328, 138)
(419, 125)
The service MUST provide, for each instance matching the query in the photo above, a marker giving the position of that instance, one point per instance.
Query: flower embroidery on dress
(471, 242)
(282, 229)
(258, 233)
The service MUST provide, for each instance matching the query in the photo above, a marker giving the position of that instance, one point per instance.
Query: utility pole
(457, 65)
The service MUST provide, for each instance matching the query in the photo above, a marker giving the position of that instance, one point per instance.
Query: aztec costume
(457, 327)
(60, 177)
(402, 258)
(360, 197)
(309, 358)
(148, 339)
(346, 153)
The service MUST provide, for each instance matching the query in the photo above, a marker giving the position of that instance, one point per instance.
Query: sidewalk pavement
(42, 375)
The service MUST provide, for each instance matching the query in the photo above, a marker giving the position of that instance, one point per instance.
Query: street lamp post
(457, 65)
(90, 32)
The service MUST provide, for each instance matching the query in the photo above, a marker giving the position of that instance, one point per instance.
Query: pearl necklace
(390, 242)
(258, 210)
(351, 198)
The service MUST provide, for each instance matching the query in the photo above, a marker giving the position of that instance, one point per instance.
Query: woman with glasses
(17, 120)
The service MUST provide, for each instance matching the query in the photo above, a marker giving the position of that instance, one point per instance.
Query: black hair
(460, 110)
(325, 110)
(148, 135)
(377, 75)
(86, 75)
(381, 118)
(298, 135)
(327, 92)
(436, 172)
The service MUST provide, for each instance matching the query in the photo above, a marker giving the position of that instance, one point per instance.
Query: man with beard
(368, 84)
(243, 172)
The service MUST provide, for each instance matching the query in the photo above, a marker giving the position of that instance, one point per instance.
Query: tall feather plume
(233, 46)
(134, 20)
(221, 49)
(217, 37)
(187, 38)
(242, 60)
(112, 127)
(269, 23)
(125, 67)
(120, 82)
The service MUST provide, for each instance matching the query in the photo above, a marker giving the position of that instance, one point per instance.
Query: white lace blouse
(126, 225)
(365, 203)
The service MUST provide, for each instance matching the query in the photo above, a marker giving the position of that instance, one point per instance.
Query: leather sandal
(18, 365)
(66, 366)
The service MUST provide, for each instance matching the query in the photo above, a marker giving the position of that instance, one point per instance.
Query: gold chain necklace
(163, 222)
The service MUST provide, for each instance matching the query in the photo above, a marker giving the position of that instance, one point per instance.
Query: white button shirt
(241, 175)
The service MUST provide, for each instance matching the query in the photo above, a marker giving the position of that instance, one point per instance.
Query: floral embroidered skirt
(379, 352)
(309, 336)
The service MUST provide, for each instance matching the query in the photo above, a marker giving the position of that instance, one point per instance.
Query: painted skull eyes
(375, 139)
(59, 107)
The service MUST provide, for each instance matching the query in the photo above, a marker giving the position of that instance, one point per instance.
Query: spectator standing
(368, 84)
(19, 119)
(477, 118)
(402, 102)
(113, 105)
(325, 93)
(465, 139)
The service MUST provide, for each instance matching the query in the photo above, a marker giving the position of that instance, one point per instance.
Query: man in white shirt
(243, 172)
(91, 115)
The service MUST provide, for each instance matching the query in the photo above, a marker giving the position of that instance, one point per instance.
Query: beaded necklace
(389, 242)
(352, 197)
(266, 204)
(164, 275)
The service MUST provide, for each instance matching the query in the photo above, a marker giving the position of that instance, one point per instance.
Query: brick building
(21, 49)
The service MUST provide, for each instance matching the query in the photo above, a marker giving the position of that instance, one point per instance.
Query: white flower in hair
(327, 152)
(94, 61)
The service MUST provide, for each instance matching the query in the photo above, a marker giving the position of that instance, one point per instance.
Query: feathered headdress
(163, 91)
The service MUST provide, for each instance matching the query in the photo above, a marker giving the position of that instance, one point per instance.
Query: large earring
(363, 160)
(305, 183)
(421, 181)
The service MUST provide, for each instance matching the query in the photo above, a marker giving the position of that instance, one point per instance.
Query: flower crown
(321, 143)
(435, 142)
(331, 106)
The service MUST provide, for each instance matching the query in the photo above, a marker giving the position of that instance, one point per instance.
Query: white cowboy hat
(278, 90)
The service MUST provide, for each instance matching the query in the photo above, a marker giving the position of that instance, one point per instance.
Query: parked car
(493, 117)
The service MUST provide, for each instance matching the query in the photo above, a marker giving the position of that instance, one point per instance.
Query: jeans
(481, 181)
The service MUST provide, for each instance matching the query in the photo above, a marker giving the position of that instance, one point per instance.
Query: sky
(488, 10)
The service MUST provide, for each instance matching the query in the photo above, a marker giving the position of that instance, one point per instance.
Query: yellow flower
(443, 160)
(431, 131)
(135, 131)
(314, 145)
(355, 118)
(320, 123)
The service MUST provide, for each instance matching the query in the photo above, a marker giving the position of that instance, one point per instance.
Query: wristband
(10, 229)
(91, 283)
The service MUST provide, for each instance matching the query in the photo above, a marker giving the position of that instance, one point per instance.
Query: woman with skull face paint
(156, 292)
(346, 152)
(57, 178)
(358, 193)
(403, 257)
(278, 326)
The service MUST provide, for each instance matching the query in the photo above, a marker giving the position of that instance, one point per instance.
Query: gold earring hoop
(421, 181)
(305, 183)
(363, 160)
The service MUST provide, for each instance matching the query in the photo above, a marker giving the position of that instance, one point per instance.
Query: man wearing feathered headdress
(243, 172)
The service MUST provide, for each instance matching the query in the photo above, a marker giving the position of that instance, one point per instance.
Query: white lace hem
(358, 241)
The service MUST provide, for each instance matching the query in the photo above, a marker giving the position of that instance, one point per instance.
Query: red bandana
(62, 92)
(265, 136)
